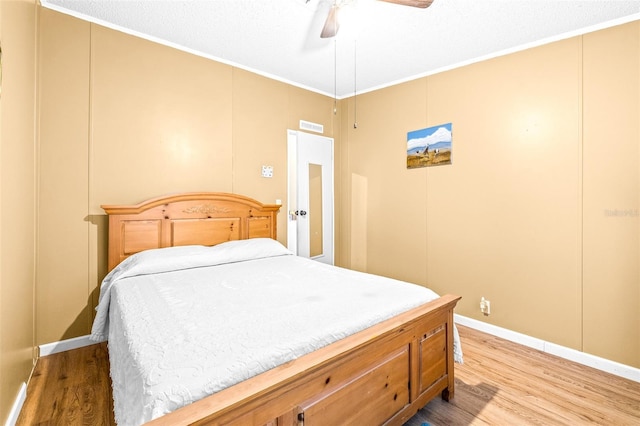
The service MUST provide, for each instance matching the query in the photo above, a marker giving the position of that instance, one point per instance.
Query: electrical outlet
(267, 171)
(485, 306)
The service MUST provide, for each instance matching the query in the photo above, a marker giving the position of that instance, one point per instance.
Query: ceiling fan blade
(332, 24)
(423, 4)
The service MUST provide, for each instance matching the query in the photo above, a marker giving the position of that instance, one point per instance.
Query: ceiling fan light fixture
(332, 24)
(423, 4)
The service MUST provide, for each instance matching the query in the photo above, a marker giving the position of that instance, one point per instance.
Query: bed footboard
(381, 375)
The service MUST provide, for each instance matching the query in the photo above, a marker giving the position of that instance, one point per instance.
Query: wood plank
(71, 387)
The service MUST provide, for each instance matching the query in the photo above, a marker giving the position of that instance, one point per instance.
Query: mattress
(186, 322)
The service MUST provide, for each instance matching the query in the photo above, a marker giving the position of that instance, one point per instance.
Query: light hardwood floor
(500, 383)
(503, 383)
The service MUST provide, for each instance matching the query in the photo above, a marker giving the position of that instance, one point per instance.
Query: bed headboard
(205, 218)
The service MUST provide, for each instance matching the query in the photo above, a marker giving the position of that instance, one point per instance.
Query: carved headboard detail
(205, 218)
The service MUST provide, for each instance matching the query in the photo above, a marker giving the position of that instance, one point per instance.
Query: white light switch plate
(267, 171)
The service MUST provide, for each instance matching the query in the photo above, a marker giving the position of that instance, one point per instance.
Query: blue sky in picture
(436, 137)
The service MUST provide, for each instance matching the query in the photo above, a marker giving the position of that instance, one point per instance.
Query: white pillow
(168, 259)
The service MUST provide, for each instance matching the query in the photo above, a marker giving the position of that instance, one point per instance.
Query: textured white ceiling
(378, 44)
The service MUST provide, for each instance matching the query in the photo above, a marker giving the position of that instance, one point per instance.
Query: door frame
(292, 197)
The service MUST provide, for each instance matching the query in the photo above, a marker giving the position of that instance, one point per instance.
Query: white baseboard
(17, 406)
(583, 358)
(65, 345)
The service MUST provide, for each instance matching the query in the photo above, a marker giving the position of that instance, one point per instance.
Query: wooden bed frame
(381, 375)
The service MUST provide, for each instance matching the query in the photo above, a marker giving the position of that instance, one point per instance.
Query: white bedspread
(186, 322)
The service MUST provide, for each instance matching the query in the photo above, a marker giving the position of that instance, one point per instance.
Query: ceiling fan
(332, 24)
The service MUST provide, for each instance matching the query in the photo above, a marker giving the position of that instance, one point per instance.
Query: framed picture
(429, 147)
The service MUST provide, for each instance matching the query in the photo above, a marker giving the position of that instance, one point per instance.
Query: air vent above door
(312, 127)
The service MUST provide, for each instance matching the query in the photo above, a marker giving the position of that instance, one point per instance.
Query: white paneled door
(310, 208)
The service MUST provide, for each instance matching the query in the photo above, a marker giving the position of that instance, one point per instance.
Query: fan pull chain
(335, 77)
(355, 85)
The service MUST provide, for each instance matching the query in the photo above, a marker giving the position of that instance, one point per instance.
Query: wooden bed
(381, 375)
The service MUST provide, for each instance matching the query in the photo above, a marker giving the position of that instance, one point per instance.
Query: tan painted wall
(611, 154)
(17, 196)
(63, 220)
(124, 120)
(545, 142)
(387, 204)
(507, 209)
